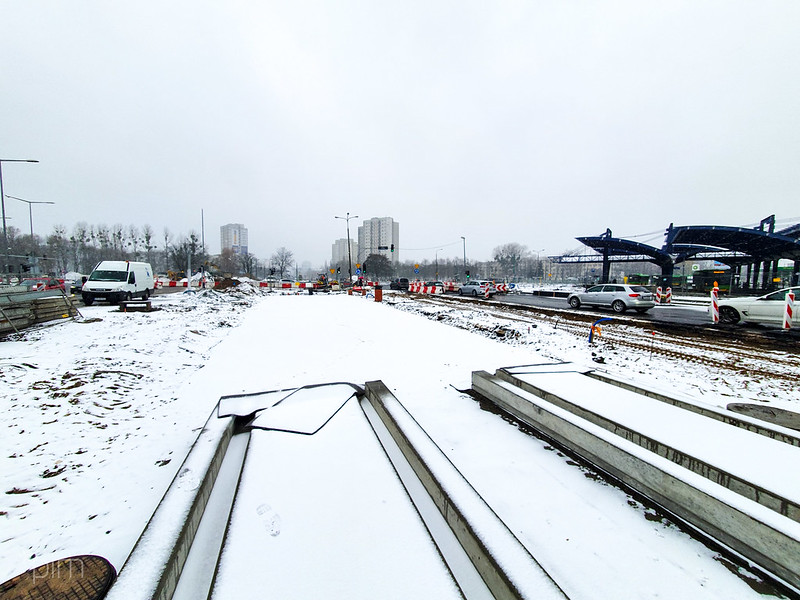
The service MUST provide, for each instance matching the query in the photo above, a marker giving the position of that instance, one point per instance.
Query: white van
(117, 280)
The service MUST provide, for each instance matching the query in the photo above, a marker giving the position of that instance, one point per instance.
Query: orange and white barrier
(450, 286)
(419, 287)
(715, 305)
(502, 288)
(668, 296)
(659, 292)
(788, 313)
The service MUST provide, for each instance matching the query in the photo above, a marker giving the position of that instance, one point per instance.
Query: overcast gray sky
(526, 121)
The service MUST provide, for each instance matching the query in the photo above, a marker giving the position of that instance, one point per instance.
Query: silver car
(477, 288)
(767, 309)
(616, 296)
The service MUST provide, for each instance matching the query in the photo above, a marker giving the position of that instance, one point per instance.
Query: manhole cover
(75, 578)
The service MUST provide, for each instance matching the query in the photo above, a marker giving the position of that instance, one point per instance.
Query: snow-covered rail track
(729, 482)
(734, 350)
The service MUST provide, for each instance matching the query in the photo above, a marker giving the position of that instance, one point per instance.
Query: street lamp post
(349, 256)
(464, 241)
(541, 267)
(3, 203)
(30, 204)
(436, 255)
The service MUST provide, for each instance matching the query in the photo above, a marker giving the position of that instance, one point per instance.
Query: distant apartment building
(379, 235)
(339, 255)
(234, 237)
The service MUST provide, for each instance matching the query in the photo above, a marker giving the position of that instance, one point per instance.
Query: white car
(768, 309)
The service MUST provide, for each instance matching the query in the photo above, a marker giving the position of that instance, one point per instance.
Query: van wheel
(88, 300)
(146, 295)
(128, 297)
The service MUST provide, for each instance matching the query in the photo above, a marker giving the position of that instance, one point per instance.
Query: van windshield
(108, 276)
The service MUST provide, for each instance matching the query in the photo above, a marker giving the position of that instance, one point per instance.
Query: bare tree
(147, 238)
(227, 262)
(117, 242)
(58, 248)
(188, 250)
(282, 260)
(79, 242)
(103, 236)
(133, 240)
(247, 262)
(167, 239)
(509, 258)
(378, 266)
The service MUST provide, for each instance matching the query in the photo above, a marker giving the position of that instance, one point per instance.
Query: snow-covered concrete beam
(505, 565)
(761, 535)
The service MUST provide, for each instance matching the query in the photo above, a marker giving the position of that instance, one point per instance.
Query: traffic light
(392, 247)
(467, 272)
(338, 270)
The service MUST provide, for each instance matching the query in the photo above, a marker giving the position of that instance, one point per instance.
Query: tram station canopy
(730, 245)
(751, 245)
(630, 250)
(734, 246)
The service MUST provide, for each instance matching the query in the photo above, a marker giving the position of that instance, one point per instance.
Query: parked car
(615, 296)
(767, 309)
(73, 281)
(399, 284)
(477, 288)
(40, 284)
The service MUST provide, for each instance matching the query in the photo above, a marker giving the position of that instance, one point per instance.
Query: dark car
(399, 284)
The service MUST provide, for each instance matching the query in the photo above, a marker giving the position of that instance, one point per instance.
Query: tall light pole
(349, 256)
(30, 204)
(30, 211)
(541, 266)
(3, 203)
(436, 255)
(464, 240)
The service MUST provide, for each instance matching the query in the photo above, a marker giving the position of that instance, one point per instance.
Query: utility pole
(3, 203)
(464, 241)
(30, 204)
(349, 255)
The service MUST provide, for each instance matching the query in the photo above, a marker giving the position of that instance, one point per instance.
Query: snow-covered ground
(100, 412)
(717, 386)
